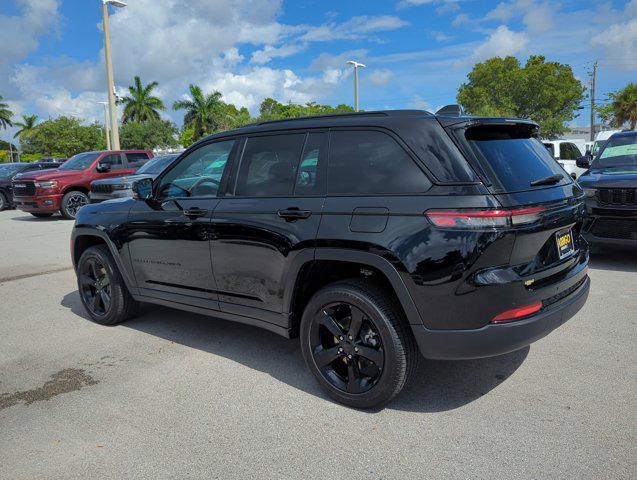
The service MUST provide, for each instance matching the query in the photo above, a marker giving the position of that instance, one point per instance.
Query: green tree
(63, 136)
(26, 125)
(202, 111)
(187, 137)
(621, 108)
(270, 109)
(149, 135)
(546, 92)
(5, 114)
(141, 105)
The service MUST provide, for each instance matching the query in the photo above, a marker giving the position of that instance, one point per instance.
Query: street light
(108, 137)
(356, 66)
(109, 70)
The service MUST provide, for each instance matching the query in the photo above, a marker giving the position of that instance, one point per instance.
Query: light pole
(109, 70)
(108, 137)
(356, 66)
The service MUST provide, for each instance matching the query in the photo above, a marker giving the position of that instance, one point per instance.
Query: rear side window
(512, 157)
(136, 160)
(310, 176)
(269, 165)
(371, 163)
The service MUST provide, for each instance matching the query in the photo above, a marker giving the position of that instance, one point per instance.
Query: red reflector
(517, 312)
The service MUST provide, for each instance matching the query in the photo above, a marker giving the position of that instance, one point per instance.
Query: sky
(417, 52)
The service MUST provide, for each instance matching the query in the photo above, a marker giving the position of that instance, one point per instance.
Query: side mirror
(143, 189)
(103, 167)
(583, 162)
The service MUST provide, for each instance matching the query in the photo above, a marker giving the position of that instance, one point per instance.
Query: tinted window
(310, 175)
(114, 160)
(9, 170)
(199, 173)
(268, 167)
(81, 161)
(618, 152)
(511, 157)
(551, 148)
(136, 160)
(370, 162)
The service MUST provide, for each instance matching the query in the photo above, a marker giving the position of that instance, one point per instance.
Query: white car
(566, 152)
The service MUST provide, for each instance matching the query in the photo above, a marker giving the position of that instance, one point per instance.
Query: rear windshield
(618, 152)
(512, 157)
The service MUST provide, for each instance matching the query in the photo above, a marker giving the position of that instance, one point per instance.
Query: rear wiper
(548, 180)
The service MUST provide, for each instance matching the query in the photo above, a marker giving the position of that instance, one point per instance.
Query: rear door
(270, 215)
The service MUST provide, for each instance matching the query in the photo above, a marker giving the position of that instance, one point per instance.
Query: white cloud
(536, 16)
(269, 52)
(418, 103)
(381, 76)
(354, 28)
(620, 42)
(501, 42)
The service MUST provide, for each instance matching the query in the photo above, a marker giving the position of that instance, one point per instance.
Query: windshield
(157, 164)
(597, 146)
(81, 161)
(512, 158)
(9, 170)
(618, 152)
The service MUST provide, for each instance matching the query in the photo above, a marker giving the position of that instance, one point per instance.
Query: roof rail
(378, 113)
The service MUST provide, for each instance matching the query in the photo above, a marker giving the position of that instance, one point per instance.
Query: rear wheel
(357, 344)
(102, 289)
(3, 201)
(41, 215)
(72, 202)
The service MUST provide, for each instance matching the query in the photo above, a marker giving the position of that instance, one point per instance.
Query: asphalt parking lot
(177, 395)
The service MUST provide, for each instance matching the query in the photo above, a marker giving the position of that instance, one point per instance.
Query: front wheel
(72, 202)
(102, 289)
(357, 344)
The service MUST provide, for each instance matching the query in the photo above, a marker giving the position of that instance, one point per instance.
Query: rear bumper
(40, 203)
(498, 339)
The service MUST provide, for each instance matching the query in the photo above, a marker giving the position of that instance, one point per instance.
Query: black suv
(610, 186)
(375, 237)
(9, 171)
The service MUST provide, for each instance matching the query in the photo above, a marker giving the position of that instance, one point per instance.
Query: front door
(169, 236)
(272, 216)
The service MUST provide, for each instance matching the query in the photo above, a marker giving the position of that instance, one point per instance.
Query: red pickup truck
(66, 189)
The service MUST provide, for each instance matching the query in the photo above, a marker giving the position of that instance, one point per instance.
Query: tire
(97, 274)
(395, 358)
(72, 202)
(41, 215)
(3, 201)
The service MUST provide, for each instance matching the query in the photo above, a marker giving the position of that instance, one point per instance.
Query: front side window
(114, 160)
(198, 174)
(618, 152)
(79, 162)
(371, 163)
(269, 164)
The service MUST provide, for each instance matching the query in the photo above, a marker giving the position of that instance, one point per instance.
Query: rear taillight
(517, 312)
(484, 219)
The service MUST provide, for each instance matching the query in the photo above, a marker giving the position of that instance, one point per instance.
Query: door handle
(195, 212)
(294, 213)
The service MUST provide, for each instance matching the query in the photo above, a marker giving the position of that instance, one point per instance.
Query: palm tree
(204, 113)
(26, 126)
(624, 106)
(5, 114)
(140, 105)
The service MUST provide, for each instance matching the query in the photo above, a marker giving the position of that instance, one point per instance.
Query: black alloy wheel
(102, 289)
(347, 348)
(357, 343)
(95, 287)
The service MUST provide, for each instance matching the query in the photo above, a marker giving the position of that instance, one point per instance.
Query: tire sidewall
(393, 369)
(3, 201)
(65, 201)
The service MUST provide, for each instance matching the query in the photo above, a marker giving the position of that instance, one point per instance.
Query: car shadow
(31, 218)
(437, 386)
(614, 259)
